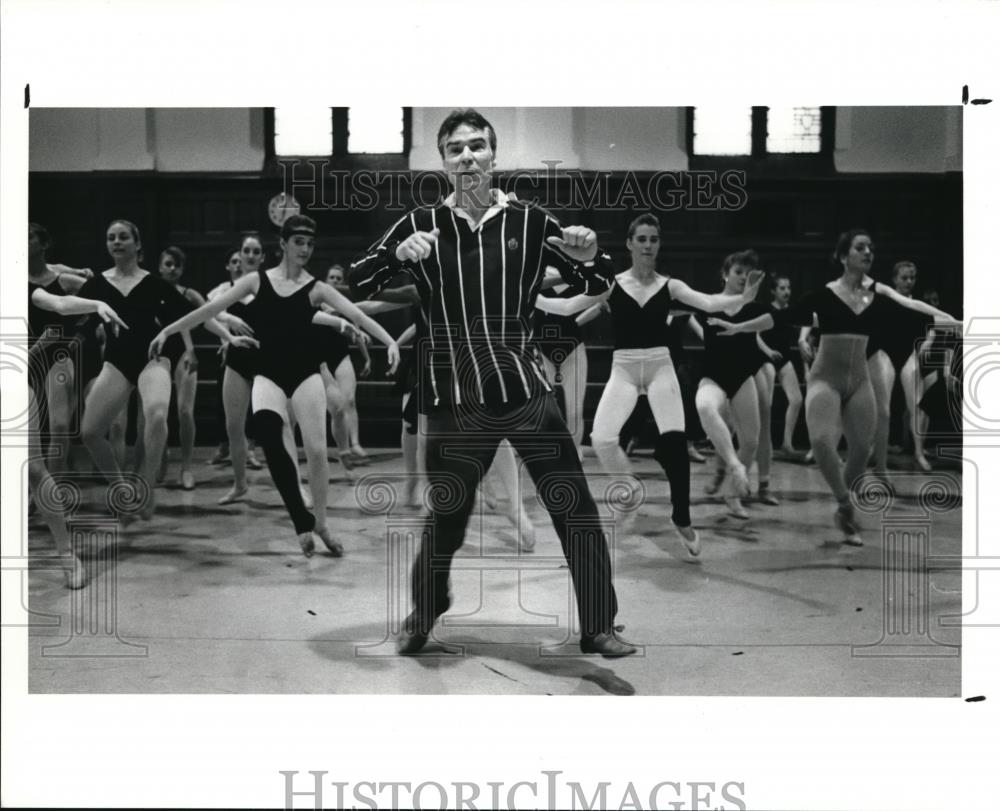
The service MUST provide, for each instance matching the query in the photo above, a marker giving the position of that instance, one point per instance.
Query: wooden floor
(210, 599)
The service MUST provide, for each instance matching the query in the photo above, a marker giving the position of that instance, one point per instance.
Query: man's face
(468, 158)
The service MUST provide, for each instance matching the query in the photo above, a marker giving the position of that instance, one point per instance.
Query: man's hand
(578, 242)
(417, 247)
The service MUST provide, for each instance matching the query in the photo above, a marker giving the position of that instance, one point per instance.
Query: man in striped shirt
(478, 260)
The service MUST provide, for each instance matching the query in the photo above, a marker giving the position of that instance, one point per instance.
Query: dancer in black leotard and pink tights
(840, 401)
(286, 304)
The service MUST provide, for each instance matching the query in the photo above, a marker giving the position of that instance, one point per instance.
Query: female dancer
(245, 261)
(48, 310)
(66, 375)
(728, 388)
(840, 401)
(285, 306)
(145, 302)
(339, 379)
(640, 302)
(893, 352)
(172, 261)
(778, 367)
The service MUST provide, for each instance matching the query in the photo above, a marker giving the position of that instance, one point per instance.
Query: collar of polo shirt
(500, 202)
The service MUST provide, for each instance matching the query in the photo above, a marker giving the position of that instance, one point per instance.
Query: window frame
(340, 157)
(762, 162)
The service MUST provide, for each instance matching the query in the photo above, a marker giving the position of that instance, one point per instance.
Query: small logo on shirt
(512, 244)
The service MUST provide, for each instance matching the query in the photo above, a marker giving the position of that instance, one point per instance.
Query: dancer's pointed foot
(739, 482)
(765, 496)
(187, 480)
(488, 496)
(234, 495)
(716, 481)
(687, 543)
(74, 572)
(146, 513)
(847, 524)
(253, 462)
(694, 455)
(307, 543)
(921, 463)
(527, 533)
(336, 549)
(736, 509)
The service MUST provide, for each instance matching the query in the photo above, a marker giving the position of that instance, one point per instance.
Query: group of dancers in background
(286, 338)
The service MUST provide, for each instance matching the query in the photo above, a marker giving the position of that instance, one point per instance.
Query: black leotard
(333, 345)
(283, 325)
(640, 326)
(731, 359)
(245, 361)
(899, 336)
(149, 306)
(557, 335)
(79, 336)
(835, 317)
(43, 353)
(781, 338)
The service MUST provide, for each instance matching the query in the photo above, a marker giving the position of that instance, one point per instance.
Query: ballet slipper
(360, 455)
(739, 482)
(687, 542)
(921, 463)
(187, 480)
(222, 455)
(234, 495)
(625, 516)
(307, 543)
(845, 521)
(253, 462)
(527, 539)
(736, 509)
(716, 481)
(488, 496)
(765, 496)
(146, 513)
(74, 572)
(335, 548)
(695, 456)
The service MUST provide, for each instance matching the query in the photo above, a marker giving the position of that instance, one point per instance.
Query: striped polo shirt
(477, 292)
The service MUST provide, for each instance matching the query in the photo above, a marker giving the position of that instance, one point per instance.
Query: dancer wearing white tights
(641, 301)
